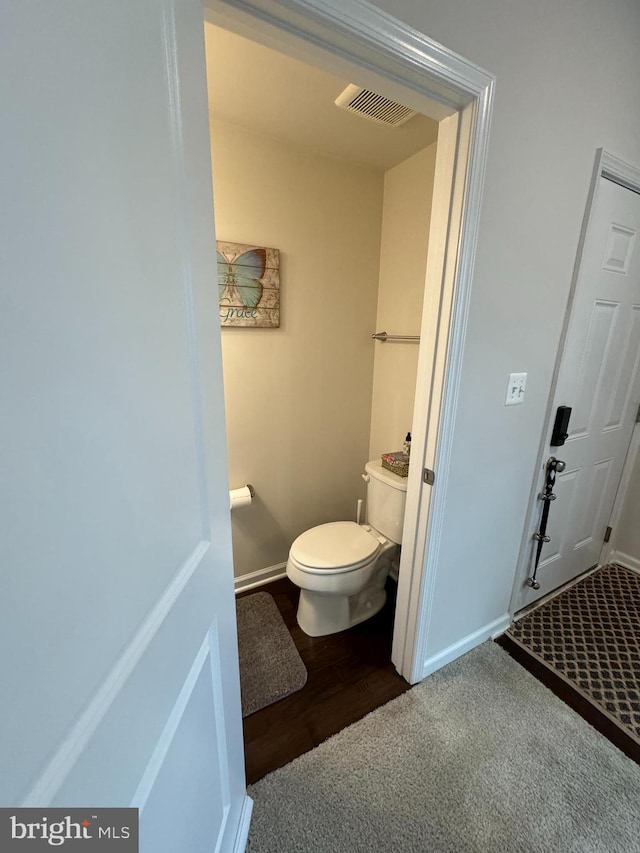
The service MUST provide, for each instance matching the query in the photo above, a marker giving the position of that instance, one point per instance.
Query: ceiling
(258, 88)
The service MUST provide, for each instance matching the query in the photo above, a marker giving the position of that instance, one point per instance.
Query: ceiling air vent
(364, 102)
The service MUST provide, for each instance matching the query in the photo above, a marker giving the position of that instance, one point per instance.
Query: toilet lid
(337, 545)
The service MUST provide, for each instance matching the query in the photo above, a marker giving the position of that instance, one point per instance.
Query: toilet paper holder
(242, 496)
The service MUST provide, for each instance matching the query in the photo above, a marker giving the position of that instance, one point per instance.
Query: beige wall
(298, 398)
(408, 189)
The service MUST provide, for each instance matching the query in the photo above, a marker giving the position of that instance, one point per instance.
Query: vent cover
(365, 103)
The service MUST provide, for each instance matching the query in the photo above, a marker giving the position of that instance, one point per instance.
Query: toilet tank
(386, 497)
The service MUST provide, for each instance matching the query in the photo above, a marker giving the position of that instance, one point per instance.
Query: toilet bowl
(341, 567)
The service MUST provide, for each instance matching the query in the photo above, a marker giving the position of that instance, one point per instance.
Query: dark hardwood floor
(350, 674)
(572, 698)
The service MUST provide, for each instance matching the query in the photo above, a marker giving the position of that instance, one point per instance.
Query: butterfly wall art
(248, 285)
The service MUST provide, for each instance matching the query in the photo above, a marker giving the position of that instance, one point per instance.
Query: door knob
(556, 465)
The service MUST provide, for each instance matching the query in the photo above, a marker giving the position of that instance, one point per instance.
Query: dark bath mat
(270, 666)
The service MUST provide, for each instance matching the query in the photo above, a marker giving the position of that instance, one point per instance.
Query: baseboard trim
(625, 560)
(490, 631)
(259, 578)
(243, 827)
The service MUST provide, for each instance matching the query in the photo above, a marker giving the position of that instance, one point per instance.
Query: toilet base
(320, 614)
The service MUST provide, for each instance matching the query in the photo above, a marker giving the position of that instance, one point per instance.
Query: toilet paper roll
(240, 497)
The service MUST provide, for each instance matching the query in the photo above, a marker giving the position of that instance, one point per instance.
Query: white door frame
(620, 172)
(427, 76)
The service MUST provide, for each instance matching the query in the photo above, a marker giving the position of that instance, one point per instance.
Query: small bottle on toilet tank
(406, 446)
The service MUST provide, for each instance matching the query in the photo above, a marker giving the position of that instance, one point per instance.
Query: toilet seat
(340, 546)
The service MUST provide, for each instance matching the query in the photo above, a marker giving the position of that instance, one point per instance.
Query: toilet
(341, 567)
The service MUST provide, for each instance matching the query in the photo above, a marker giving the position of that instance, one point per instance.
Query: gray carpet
(270, 666)
(479, 757)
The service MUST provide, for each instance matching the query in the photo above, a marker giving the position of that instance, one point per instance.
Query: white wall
(408, 189)
(298, 398)
(626, 534)
(567, 83)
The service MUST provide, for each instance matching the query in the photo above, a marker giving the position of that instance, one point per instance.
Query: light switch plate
(515, 389)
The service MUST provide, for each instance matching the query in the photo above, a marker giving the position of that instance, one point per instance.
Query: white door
(599, 379)
(117, 620)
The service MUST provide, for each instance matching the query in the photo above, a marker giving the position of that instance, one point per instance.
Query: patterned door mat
(270, 666)
(590, 636)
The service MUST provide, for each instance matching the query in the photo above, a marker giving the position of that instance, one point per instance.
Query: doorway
(310, 396)
(346, 203)
(461, 102)
(598, 378)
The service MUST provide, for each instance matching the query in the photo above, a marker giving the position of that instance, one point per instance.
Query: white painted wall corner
(456, 650)
(625, 560)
